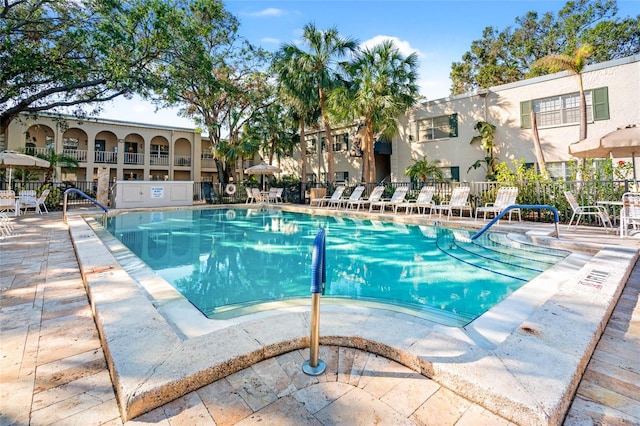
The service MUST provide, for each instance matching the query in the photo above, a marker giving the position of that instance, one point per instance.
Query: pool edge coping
(130, 327)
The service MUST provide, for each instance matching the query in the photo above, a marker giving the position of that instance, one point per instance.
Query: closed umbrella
(14, 159)
(262, 169)
(621, 143)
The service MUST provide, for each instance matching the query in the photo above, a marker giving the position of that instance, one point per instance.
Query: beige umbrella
(621, 143)
(262, 169)
(11, 159)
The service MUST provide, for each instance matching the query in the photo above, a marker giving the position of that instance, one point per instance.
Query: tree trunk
(329, 137)
(538, 146)
(583, 110)
(370, 152)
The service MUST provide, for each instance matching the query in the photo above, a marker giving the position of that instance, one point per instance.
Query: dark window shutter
(453, 126)
(600, 100)
(455, 174)
(525, 114)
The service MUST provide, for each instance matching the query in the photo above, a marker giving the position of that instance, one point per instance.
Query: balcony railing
(106, 157)
(159, 160)
(182, 160)
(133, 158)
(79, 154)
(208, 163)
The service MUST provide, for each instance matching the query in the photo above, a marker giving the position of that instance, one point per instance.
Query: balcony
(106, 157)
(133, 158)
(182, 160)
(79, 154)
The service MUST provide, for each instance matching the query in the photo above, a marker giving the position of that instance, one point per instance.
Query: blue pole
(315, 366)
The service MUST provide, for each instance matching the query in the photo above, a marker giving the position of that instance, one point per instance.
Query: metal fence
(534, 192)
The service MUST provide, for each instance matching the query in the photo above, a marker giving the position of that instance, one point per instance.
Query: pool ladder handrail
(315, 366)
(77, 191)
(556, 217)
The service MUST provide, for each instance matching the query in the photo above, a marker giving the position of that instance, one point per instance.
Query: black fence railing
(535, 192)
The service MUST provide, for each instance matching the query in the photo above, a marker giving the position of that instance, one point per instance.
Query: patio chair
(458, 201)
(337, 194)
(629, 213)
(250, 197)
(505, 197)
(30, 202)
(424, 200)
(8, 201)
(275, 195)
(397, 200)
(578, 211)
(375, 196)
(356, 194)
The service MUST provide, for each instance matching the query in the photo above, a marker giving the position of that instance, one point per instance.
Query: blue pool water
(224, 261)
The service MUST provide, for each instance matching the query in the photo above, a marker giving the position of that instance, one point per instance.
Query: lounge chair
(505, 197)
(397, 200)
(629, 213)
(375, 196)
(337, 194)
(6, 227)
(356, 194)
(8, 201)
(458, 201)
(27, 201)
(424, 200)
(578, 211)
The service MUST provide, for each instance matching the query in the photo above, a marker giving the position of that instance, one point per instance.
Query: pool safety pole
(314, 366)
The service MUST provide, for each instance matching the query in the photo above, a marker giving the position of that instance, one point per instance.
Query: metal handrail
(77, 191)
(556, 216)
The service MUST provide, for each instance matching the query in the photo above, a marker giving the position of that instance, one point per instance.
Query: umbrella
(11, 159)
(262, 169)
(621, 143)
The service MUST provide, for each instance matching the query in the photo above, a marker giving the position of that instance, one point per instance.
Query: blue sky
(439, 31)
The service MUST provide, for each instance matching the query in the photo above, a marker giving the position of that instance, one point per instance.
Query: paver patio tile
(318, 396)
(284, 412)
(188, 410)
(442, 408)
(62, 371)
(252, 389)
(274, 376)
(224, 404)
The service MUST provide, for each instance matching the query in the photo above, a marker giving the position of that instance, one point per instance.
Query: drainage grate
(595, 279)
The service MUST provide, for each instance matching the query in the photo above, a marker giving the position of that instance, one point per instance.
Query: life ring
(230, 189)
(231, 214)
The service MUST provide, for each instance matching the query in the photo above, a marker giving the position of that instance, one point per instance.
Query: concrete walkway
(53, 369)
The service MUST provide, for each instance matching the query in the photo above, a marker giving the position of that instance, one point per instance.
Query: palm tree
(57, 160)
(574, 64)
(297, 90)
(383, 85)
(424, 169)
(325, 48)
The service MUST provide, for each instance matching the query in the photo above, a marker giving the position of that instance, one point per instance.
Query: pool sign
(157, 192)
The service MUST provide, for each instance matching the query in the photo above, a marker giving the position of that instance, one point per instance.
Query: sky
(438, 31)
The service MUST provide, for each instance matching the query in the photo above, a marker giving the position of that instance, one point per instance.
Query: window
(565, 109)
(451, 173)
(163, 151)
(341, 142)
(342, 176)
(442, 127)
(70, 143)
(311, 146)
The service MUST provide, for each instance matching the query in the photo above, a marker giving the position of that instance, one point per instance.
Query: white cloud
(268, 12)
(270, 40)
(403, 46)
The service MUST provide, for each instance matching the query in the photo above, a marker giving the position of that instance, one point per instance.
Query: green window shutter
(453, 125)
(525, 114)
(600, 101)
(455, 174)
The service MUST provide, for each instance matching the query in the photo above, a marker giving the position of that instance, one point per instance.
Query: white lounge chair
(629, 213)
(275, 195)
(28, 201)
(6, 227)
(505, 197)
(337, 194)
(424, 200)
(458, 201)
(375, 196)
(356, 194)
(8, 201)
(397, 200)
(578, 211)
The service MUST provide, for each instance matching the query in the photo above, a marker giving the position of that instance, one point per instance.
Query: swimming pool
(227, 262)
